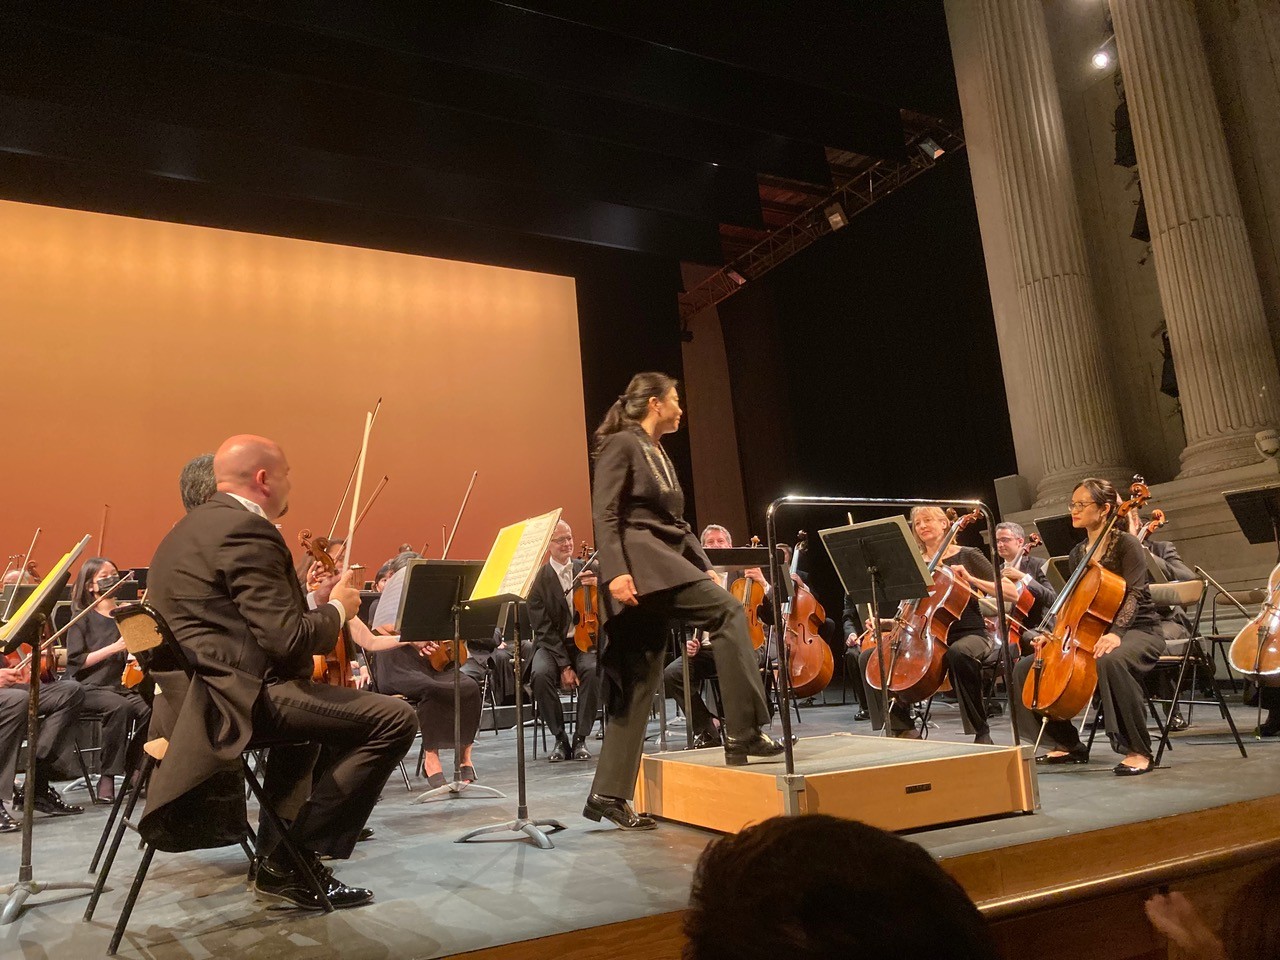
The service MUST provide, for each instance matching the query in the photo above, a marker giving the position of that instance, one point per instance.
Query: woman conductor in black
(655, 572)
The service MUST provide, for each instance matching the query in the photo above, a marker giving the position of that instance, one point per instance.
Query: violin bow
(372, 497)
(359, 482)
(45, 645)
(351, 479)
(102, 531)
(457, 520)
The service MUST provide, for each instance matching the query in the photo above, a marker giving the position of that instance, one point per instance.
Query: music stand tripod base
(456, 788)
(533, 829)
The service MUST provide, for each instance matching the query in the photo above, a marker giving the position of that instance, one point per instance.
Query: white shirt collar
(560, 568)
(249, 505)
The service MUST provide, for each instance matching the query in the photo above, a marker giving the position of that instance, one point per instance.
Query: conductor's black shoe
(290, 889)
(617, 812)
(709, 738)
(580, 751)
(561, 752)
(48, 801)
(984, 737)
(759, 744)
(1075, 755)
(7, 823)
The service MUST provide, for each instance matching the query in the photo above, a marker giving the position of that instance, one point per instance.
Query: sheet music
(515, 558)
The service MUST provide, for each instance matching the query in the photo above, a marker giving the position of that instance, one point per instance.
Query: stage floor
(438, 898)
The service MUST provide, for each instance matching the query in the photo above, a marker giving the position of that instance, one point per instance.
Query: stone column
(1075, 409)
(1227, 379)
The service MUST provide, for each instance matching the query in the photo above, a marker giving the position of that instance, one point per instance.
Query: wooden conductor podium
(886, 782)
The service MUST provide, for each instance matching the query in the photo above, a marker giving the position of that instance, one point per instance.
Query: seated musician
(557, 662)
(196, 483)
(1175, 625)
(224, 582)
(1020, 571)
(1124, 654)
(702, 665)
(60, 704)
(95, 659)
(403, 670)
(967, 641)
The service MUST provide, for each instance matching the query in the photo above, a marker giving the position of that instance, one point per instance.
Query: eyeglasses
(1007, 539)
(562, 539)
(1075, 505)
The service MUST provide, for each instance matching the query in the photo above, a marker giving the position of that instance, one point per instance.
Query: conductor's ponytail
(632, 405)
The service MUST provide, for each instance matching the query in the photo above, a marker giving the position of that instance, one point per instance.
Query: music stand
(1257, 513)
(1058, 535)
(878, 563)
(431, 607)
(24, 627)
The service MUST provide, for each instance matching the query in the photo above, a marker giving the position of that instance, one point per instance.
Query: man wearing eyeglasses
(557, 662)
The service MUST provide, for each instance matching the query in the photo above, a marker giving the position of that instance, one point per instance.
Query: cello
(751, 594)
(1255, 651)
(918, 639)
(586, 608)
(1065, 672)
(808, 656)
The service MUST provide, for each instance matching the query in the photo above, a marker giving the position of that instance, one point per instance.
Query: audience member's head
(254, 468)
(196, 482)
(814, 886)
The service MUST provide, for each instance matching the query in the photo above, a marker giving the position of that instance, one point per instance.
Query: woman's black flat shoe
(468, 773)
(437, 780)
(1078, 755)
(1124, 770)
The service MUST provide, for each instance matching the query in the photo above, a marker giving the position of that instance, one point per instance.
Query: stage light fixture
(929, 147)
(735, 276)
(835, 216)
(1104, 58)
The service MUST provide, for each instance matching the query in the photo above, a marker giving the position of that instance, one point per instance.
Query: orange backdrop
(131, 346)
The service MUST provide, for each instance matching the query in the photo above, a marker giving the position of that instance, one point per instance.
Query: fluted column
(1075, 409)
(1227, 379)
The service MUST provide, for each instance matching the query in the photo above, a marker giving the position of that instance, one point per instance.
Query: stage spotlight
(735, 276)
(1102, 59)
(836, 217)
(929, 147)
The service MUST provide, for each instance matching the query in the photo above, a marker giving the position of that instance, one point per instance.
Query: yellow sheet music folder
(41, 594)
(514, 560)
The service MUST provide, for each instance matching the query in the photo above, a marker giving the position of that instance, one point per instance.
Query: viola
(1158, 520)
(1255, 651)
(751, 594)
(1016, 619)
(809, 657)
(586, 609)
(917, 642)
(1065, 672)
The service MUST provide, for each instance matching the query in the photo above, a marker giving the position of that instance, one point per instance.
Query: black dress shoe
(710, 738)
(366, 833)
(48, 801)
(1075, 755)
(290, 889)
(561, 752)
(1270, 726)
(617, 812)
(860, 716)
(984, 738)
(759, 744)
(7, 823)
(580, 751)
(1124, 770)
(1178, 722)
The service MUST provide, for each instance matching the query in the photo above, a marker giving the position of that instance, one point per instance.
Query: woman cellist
(1124, 654)
(967, 640)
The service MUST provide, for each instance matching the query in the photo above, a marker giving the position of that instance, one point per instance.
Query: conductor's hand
(346, 594)
(623, 589)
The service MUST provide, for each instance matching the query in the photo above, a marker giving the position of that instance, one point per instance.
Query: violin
(751, 594)
(1158, 520)
(809, 657)
(586, 609)
(1255, 651)
(917, 642)
(1065, 672)
(333, 668)
(1016, 619)
(20, 658)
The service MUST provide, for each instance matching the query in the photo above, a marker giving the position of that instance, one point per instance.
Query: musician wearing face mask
(96, 658)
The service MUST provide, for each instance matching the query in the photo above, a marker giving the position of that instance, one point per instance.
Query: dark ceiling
(675, 130)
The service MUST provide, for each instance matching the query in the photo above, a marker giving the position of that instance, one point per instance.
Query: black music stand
(1058, 535)
(1257, 513)
(431, 607)
(878, 563)
(28, 631)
